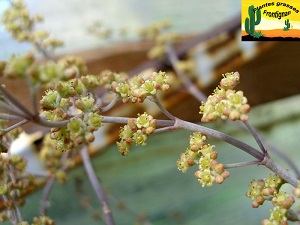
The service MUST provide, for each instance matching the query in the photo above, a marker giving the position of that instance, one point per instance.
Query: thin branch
(272, 148)
(221, 136)
(264, 159)
(15, 102)
(124, 120)
(12, 215)
(111, 104)
(16, 205)
(161, 107)
(4, 131)
(33, 94)
(256, 137)
(284, 157)
(164, 129)
(49, 185)
(96, 185)
(43, 51)
(45, 196)
(192, 88)
(13, 179)
(241, 164)
(140, 220)
(41, 120)
(9, 117)
(12, 110)
(283, 173)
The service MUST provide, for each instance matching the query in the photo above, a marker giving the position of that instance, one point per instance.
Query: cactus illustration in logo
(251, 21)
(287, 24)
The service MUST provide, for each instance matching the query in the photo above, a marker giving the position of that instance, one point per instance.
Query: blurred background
(146, 187)
(69, 20)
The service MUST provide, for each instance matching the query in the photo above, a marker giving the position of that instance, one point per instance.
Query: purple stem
(96, 185)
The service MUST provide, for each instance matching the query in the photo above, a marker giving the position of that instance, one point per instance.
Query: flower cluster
(57, 105)
(187, 66)
(12, 186)
(46, 73)
(42, 220)
(18, 65)
(99, 30)
(205, 157)
(159, 49)
(259, 189)
(53, 159)
(279, 215)
(139, 87)
(18, 21)
(65, 69)
(269, 189)
(136, 131)
(255, 192)
(226, 102)
(153, 30)
(80, 128)
(157, 32)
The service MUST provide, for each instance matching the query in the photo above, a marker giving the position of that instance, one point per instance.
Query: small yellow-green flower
(143, 121)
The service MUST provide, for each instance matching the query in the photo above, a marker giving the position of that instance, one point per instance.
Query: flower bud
(150, 130)
(65, 90)
(219, 168)
(234, 115)
(89, 137)
(219, 179)
(225, 174)
(296, 192)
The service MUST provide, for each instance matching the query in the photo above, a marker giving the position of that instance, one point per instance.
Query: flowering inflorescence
(42, 220)
(82, 113)
(269, 189)
(43, 74)
(136, 131)
(53, 159)
(13, 183)
(18, 21)
(259, 189)
(226, 102)
(138, 88)
(157, 32)
(48, 73)
(205, 157)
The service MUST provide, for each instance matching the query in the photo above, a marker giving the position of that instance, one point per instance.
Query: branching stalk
(284, 157)
(256, 137)
(16, 102)
(283, 173)
(221, 136)
(45, 196)
(96, 185)
(49, 185)
(241, 164)
(4, 131)
(192, 88)
(111, 104)
(12, 110)
(47, 123)
(9, 117)
(162, 108)
(43, 51)
(124, 120)
(164, 129)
